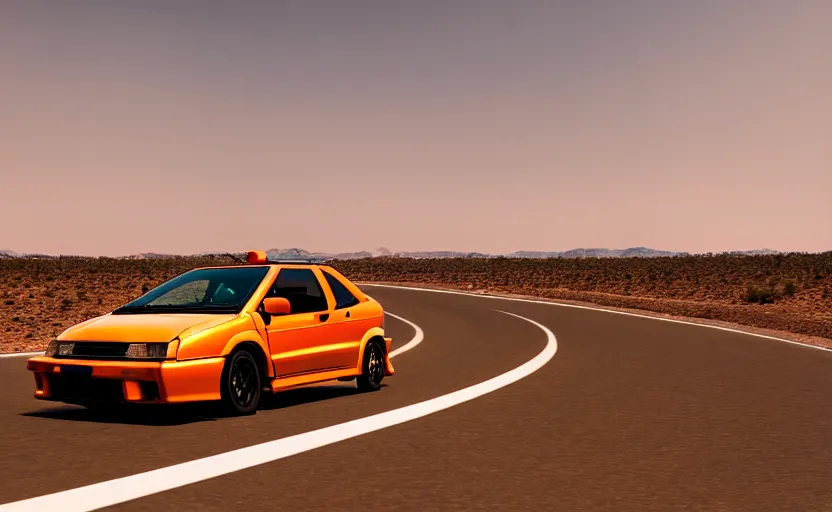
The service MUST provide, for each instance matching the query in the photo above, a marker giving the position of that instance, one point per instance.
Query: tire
(241, 384)
(372, 368)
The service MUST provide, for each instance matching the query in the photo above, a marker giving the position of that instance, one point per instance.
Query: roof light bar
(260, 257)
(256, 257)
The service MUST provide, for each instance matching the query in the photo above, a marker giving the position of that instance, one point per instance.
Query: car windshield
(209, 290)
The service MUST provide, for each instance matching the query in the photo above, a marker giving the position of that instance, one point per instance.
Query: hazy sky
(482, 126)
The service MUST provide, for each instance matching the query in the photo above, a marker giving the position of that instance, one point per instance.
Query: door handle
(324, 317)
(348, 314)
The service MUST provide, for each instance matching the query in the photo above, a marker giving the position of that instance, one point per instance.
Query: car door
(349, 319)
(299, 341)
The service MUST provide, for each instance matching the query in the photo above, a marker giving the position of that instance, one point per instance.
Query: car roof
(269, 264)
(257, 258)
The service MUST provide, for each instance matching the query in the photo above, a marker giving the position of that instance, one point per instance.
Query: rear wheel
(240, 387)
(372, 368)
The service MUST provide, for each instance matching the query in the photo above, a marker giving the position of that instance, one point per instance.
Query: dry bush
(45, 296)
(39, 298)
(785, 291)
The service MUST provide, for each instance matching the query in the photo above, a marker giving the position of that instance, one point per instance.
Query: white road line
(128, 488)
(417, 337)
(592, 308)
(21, 354)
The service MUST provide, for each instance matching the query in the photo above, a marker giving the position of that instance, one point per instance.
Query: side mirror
(277, 306)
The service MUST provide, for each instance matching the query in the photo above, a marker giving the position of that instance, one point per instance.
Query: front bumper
(80, 381)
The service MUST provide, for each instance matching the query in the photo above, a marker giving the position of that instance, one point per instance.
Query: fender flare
(373, 333)
(250, 336)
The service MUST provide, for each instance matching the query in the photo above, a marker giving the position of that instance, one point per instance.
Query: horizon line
(23, 255)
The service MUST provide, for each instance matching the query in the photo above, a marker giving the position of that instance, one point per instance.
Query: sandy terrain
(791, 293)
(775, 294)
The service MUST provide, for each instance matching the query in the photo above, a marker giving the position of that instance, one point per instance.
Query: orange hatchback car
(225, 333)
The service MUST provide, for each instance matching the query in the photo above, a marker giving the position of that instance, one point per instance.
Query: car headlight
(59, 348)
(147, 350)
(153, 350)
(52, 348)
(65, 349)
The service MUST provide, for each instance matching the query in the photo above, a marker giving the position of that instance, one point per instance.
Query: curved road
(631, 413)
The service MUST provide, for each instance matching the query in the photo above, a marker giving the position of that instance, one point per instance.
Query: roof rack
(298, 261)
(259, 257)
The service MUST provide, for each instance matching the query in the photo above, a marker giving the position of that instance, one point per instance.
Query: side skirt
(292, 381)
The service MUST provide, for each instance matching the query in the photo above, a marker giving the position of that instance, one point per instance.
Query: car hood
(142, 327)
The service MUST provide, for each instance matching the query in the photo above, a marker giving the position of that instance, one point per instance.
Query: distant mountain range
(296, 253)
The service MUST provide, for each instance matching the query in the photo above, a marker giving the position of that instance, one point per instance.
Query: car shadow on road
(149, 415)
(181, 414)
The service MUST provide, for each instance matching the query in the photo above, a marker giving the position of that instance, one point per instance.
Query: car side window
(343, 297)
(301, 288)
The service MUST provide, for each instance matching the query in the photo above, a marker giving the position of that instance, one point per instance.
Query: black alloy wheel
(241, 387)
(372, 369)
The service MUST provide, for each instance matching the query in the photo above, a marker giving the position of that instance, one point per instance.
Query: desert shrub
(760, 295)
(789, 288)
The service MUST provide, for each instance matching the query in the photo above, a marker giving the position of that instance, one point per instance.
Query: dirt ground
(781, 295)
(785, 335)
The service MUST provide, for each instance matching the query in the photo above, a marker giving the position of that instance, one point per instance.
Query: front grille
(71, 387)
(99, 350)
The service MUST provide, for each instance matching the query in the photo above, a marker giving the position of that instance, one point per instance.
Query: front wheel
(240, 388)
(372, 368)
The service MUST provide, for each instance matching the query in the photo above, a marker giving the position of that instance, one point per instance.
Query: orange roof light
(256, 257)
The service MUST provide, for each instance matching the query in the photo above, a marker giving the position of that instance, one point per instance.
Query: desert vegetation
(39, 298)
(788, 292)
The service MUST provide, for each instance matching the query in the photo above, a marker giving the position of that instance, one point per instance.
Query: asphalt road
(630, 414)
